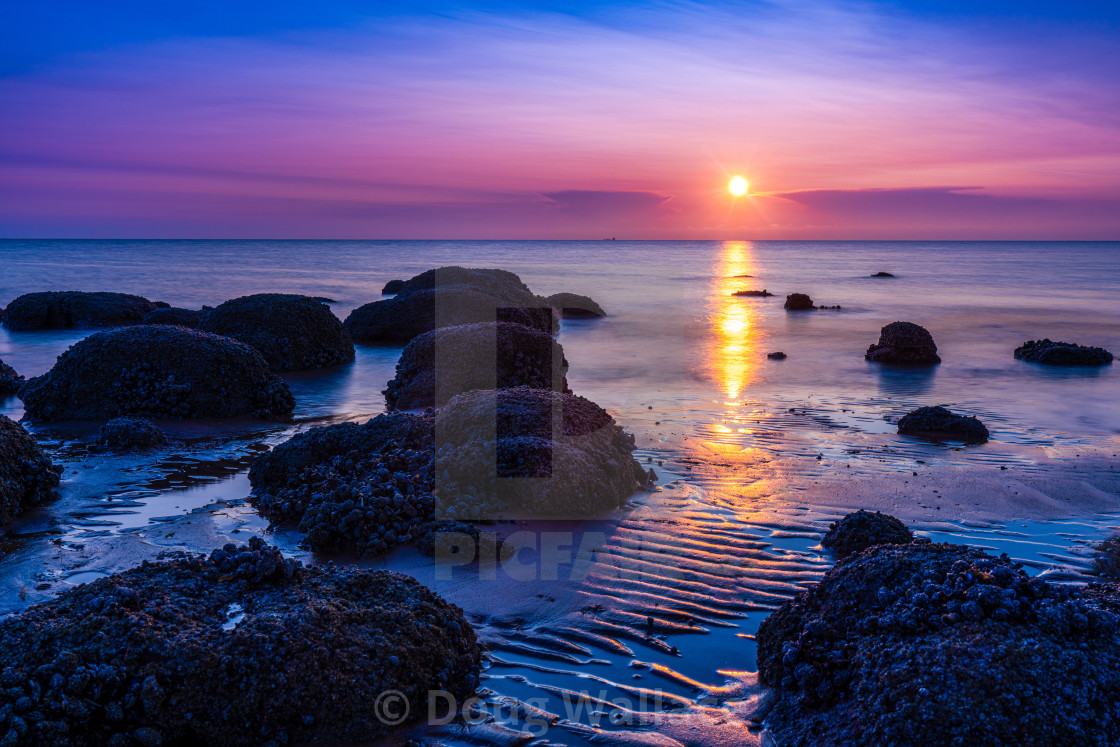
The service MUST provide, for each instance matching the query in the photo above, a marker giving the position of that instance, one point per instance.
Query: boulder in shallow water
(523, 452)
(244, 647)
(157, 371)
(860, 530)
(70, 309)
(367, 488)
(10, 381)
(27, 476)
(392, 288)
(904, 344)
(940, 423)
(882, 275)
(799, 302)
(291, 332)
(440, 364)
(777, 355)
(575, 306)
(938, 644)
(447, 297)
(1052, 353)
(358, 488)
(131, 434)
(191, 318)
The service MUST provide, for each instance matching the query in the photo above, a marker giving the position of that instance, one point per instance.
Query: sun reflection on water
(731, 346)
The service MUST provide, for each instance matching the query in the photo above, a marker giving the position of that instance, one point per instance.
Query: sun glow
(738, 186)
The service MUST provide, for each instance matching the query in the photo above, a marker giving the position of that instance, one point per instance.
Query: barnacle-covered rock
(904, 344)
(291, 332)
(10, 381)
(27, 476)
(860, 530)
(67, 309)
(440, 364)
(157, 371)
(940, 423)
(1052, 353)
(243, 647)
(447, 297)
(131, 434)
(939, 644)
(362, 488)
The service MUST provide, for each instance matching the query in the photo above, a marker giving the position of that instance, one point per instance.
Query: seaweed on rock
(243, 647)
(158, 371)
(1050, 353)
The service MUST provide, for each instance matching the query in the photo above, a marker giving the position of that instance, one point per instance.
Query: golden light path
(729, 357)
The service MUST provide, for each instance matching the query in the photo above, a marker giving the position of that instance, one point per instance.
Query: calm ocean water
(675, 337)
(682, 364)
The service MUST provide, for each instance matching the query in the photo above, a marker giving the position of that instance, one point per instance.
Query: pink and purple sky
(862, 120)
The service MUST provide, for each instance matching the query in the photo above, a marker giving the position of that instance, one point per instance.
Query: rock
(799, 302)
(776, 356)
(574, 306)
(367, 488)
(941, 644)
(1107, 558)
(68, 309)
(10, 381)
(191, 318)
(157, 371)
(1062, 354)
(358, 488)
(860, 530)
(241, 648)
(882, 275)
(128, 433)
(27, 476)
(759, 294)
(531, 453)
(447, 297)
(439, 364)
(392, 288)
(291, 332)
(904, 344)
(941, 424)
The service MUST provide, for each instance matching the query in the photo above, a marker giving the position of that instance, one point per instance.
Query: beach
(657, 601)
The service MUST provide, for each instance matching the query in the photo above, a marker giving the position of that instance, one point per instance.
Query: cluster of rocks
(507, 439)
(75, 309)
(446, 297)
(158, 371)
(940, 423)
(27, 476)
(292, 332)
(904, 344)
(10, 381)
(242, 647)
(437, 365)
(755, 293)
(924, 643)
(1062, 354)
(130, 434)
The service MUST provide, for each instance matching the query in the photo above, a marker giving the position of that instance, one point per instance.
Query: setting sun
(738, 186)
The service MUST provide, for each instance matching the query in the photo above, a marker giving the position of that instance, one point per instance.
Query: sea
(738, 441)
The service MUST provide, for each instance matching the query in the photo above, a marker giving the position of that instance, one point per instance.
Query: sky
(912, 119)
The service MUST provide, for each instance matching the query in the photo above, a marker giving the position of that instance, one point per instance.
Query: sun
(738, 186)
